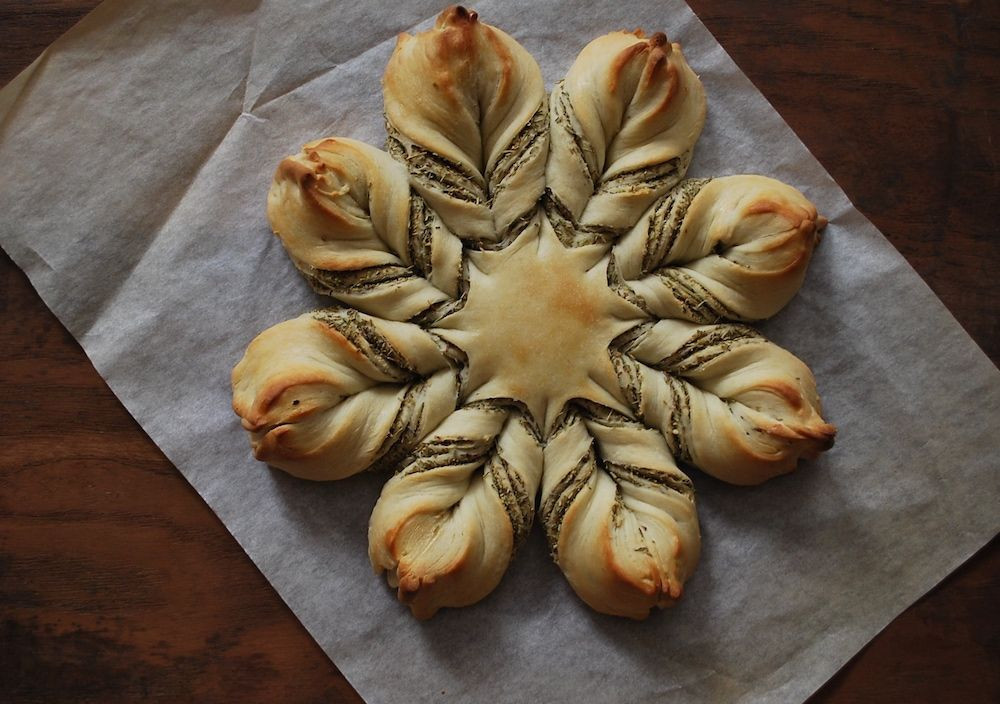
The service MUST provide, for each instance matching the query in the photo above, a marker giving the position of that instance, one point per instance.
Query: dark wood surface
(117, 583)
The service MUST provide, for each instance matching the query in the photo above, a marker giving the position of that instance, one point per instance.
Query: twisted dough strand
(447, 525)
(345, 214)
(726, 400)
(732, 248)
(619, 516)
(623, 126)
(330, 393)
(465, 112)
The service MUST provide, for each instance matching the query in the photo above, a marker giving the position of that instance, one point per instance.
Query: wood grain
(118, 584)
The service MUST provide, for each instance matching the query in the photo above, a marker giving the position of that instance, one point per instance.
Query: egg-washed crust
(617, 293)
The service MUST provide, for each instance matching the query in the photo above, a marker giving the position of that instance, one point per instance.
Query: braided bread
(538, 311)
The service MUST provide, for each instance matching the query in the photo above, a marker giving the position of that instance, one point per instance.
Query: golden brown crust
(623, 528)
(464, 106)
(730, 402)
(342, 210)
(446, 526)
(623, 124)
(328, 394)
(536, 241)
(732, 248)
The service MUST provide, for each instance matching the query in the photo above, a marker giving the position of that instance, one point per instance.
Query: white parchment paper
(135, 156)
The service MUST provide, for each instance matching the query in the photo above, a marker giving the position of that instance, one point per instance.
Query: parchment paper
(135, 158)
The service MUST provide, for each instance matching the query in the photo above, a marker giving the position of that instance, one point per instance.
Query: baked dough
(624, 123)
(465, 112)
(536, 312)
(726, 400)
(447, 524)
(331, 393)
(732, 248)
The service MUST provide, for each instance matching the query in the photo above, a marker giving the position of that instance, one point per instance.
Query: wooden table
(117, 583)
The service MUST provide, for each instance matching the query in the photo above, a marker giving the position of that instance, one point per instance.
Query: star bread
(536, 316)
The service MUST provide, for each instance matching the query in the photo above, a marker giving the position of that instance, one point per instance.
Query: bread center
(537, 325)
